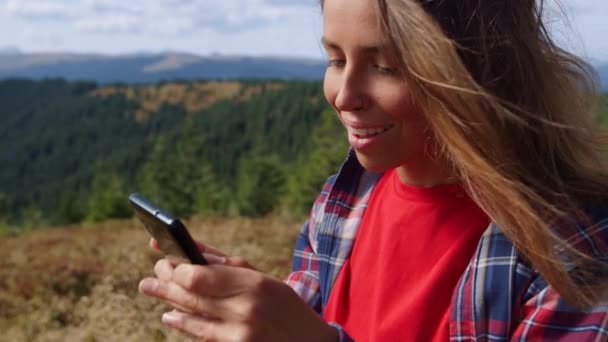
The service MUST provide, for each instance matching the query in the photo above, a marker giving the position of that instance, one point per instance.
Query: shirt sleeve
(304, 277)
(545, 316)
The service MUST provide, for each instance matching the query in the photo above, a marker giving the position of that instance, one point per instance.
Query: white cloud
(113, 6)
(246, 27)
(37, 9)
(115, 23)
(160, 16)
(240, 27)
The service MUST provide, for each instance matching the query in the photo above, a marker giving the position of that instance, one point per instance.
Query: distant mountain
(9, 50)
(148, 67)
(145, 68)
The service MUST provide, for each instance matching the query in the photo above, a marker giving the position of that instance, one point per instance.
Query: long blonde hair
(513, 112)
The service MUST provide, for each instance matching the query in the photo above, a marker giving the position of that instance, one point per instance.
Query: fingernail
(214, 259)
(170, 318)
(148, 285)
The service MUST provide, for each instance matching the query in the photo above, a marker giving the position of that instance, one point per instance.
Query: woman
(471, 205)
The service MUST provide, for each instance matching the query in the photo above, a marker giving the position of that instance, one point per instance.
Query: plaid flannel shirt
(499, 297)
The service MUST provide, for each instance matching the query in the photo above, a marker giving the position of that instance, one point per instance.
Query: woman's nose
(350, 95)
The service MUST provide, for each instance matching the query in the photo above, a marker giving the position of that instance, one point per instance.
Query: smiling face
(371, 98)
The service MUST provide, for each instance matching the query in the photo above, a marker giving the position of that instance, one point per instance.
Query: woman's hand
(228, 300)
(212, 255)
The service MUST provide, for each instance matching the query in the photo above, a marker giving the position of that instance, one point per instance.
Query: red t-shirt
(412, 247)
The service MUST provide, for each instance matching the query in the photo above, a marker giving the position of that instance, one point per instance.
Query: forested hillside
(72, 151)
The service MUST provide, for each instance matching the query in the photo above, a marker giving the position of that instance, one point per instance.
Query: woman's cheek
(401, 107)
(330, 87)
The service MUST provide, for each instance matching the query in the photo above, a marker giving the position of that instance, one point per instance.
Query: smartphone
(170, 233)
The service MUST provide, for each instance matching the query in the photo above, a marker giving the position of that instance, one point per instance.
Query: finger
(212, 254)
(217, 280)
(201, 247)
(164, 269)
(214, 259)
(204, 248)
(203, 328)
(144, 288)
(184, 300)
(238, 262)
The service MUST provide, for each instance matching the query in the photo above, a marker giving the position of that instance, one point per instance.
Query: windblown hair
(513, 112)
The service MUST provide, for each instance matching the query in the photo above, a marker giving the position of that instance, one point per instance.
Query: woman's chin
(375, 164)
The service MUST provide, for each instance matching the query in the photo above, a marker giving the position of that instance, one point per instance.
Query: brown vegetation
(80, 283)
(195, 96)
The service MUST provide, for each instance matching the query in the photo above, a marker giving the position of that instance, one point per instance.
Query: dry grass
(195, 96)
(79, 283)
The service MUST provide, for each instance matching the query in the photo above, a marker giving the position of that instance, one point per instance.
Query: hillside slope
(79, 283)
(62, 136)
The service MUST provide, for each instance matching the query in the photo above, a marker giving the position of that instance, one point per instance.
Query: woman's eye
(336, 63)
(385, 70)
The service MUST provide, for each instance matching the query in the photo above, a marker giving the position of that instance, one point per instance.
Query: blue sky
(232, 27)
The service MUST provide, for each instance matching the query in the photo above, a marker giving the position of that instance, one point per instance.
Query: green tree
(212, 196)
(71, 208)
(154, 174)
(4, 214)
(179, 179)
(187, 171)
(4, 207)
(108, 198)
(328, 150)
(261, 183)
(31, 218)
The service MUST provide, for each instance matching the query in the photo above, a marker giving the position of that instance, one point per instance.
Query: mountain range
(146, 67)
(155, 67)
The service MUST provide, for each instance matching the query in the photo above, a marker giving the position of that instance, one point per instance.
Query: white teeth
(369, 132)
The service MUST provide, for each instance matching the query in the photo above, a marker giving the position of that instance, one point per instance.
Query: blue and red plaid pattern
(498, 298)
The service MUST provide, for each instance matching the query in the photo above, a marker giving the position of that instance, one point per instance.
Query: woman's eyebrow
(328, 44)
(372, 49)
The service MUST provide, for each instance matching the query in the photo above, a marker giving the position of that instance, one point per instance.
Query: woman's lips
(369, 132)
(362, 138)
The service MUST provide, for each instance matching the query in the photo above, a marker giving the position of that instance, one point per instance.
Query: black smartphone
(170, 233)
